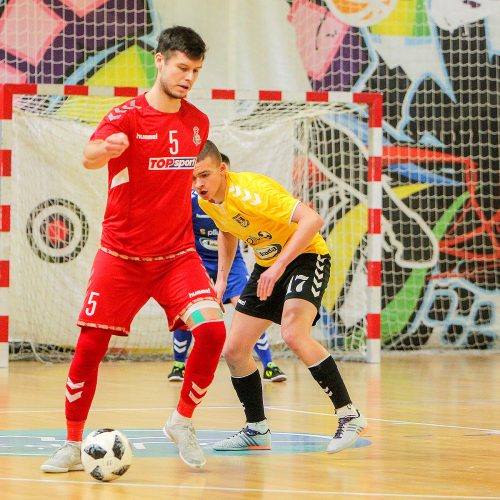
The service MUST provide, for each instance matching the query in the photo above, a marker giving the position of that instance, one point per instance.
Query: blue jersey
(205, 237)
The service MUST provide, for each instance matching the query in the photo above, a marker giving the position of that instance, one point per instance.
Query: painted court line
(121, 484)
(396, 422)
(275, 408)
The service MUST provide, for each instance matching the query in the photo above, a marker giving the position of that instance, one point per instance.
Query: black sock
(328, 377)
(249, 391)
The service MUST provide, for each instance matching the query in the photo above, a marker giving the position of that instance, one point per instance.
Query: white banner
(57, 209)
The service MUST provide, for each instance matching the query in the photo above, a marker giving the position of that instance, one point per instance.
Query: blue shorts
(236, 281)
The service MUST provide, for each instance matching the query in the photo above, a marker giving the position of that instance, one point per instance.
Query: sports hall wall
(436, 63)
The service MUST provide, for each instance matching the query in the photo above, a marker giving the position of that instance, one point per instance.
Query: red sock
(82, 378)
(201, 365)
(74, 430)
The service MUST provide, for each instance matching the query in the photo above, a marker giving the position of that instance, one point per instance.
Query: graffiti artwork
(437, 65)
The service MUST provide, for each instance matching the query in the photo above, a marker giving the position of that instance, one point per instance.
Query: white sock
(347, 411)
(177, 418)
(261, 426)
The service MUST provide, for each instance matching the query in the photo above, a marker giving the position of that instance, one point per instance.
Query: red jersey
(148, 212)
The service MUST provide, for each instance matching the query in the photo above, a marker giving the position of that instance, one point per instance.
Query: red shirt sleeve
(115, 121)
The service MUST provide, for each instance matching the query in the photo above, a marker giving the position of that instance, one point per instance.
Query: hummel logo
(74, 385)
(195, 399)
(73, 397)
(149, 137)
(236, 191)
(201, 392)
(198, 292)
(318, 279)
(122, 109)
(180, 345)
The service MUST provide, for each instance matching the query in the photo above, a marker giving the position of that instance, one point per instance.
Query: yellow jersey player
(286, 287)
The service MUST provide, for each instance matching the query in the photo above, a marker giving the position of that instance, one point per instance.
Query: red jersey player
(150, 144)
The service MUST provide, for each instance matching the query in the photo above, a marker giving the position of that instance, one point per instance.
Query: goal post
(324, 147)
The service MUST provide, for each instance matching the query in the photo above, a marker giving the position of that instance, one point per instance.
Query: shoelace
(250, 432)
(192, 441)
(238, 433)
(247, 431)
(342, 422)
(61, 450)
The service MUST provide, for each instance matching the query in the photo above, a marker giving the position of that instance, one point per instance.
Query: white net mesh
(317, 151)
(437, 64)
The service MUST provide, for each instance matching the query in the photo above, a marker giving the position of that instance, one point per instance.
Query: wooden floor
(434, 432)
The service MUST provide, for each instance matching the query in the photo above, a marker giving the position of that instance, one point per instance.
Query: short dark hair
(210, 150)
(183, 39)
(225, 159)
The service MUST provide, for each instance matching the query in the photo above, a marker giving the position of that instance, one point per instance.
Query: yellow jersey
(258, 210)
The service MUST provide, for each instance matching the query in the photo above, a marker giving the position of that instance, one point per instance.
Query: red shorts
(118, 289)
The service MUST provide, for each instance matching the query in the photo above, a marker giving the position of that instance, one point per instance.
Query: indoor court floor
(434, 433)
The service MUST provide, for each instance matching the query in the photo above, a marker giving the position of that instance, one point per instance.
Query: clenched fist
(116, 144)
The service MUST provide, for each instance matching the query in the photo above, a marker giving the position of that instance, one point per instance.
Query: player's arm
(309, 222)
(227, 245)
(98, 152)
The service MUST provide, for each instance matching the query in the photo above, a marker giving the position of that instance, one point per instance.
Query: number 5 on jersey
(174, 142)
(92, 304)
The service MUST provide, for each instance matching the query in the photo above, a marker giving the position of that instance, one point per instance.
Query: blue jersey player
(205, 235)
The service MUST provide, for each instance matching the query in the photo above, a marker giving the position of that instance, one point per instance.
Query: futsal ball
(106, 454)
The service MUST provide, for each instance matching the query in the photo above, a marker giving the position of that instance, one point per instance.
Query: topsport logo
(167, 162)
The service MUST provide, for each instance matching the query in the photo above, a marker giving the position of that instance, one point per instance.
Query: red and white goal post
(325, 147)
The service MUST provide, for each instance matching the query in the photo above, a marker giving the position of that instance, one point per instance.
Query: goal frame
(374, 106)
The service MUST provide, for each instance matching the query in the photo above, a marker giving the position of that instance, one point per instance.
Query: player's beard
(170, 93)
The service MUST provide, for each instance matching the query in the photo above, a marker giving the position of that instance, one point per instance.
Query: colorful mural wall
(72, 41)
(437, 64)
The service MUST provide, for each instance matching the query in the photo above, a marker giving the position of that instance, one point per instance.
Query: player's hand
(268, 279)
(220, 288)
(116, 144)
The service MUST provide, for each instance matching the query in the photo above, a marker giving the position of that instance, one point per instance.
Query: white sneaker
(348, 432)
(66, 458)
(246, 439)
(184, 436)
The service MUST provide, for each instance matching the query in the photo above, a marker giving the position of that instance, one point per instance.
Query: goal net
(320, 146)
